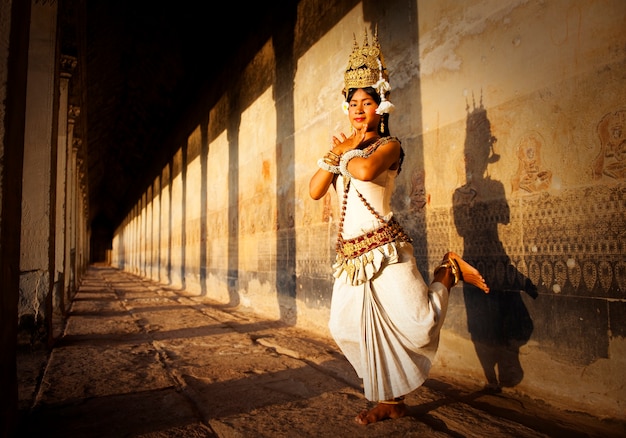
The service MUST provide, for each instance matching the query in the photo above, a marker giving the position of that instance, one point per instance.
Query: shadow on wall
(498, 322)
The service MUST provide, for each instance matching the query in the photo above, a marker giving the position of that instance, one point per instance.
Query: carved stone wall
(511, 117)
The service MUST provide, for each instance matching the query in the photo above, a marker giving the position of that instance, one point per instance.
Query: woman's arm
(320, 183)
(383, 158)
(322, 179)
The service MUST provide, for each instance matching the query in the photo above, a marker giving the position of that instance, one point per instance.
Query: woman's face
(362, 110)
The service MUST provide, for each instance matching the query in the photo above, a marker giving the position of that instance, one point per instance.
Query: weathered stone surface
(512, 160)
(139, 359)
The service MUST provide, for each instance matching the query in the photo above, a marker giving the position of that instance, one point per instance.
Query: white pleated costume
(384, 317)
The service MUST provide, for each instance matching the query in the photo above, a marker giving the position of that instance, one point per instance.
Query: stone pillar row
(54, 195)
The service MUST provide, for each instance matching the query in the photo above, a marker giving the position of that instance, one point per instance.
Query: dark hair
(384, 118)
(369, 90)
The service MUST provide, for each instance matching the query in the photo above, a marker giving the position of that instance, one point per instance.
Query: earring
(382, 126)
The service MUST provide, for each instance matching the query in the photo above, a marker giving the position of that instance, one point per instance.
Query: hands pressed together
(342, 144)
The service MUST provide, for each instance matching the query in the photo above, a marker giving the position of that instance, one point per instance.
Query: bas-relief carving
(480, 204)
(611, 160)
(530, 176)
(571, 244)
(585, 225)
(417, 194)
(578, 246)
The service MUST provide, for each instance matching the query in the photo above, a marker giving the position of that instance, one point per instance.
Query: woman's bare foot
(469, 274)
(382, 411)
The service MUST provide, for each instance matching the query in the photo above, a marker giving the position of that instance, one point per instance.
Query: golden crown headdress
(366, 68)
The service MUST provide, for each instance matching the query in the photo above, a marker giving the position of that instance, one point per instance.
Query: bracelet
(454, 269)
(335, 156)
(330, 160)
(343, 166)
(327, 167)
(394, 401)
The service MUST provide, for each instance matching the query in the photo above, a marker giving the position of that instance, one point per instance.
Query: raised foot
(469, 274)
(382, 411)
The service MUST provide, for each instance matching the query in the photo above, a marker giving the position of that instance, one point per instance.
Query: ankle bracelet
(454, 269)
(394, 401)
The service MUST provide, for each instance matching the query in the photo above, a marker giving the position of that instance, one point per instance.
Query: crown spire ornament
(366, 68)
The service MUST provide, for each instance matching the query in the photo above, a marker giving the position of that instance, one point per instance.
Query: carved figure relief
(530, 177)
(571, 245)
(611, 161)
(418, 191)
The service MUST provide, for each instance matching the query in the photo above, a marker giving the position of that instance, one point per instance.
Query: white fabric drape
(388, 325)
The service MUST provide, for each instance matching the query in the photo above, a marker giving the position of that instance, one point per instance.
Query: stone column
(73, 113)
(37, 236)
(14, 31)
(67, 65)
(73, 211)
(79, 216)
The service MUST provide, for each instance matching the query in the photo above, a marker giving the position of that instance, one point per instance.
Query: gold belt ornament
(357, 246)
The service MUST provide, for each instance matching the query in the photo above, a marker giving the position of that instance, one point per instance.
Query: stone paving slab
(137, 359)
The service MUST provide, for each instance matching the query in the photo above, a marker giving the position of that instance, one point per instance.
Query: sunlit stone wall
(523, 123)
(512, 115)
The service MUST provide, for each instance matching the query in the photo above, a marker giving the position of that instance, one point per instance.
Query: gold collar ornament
(366, 68)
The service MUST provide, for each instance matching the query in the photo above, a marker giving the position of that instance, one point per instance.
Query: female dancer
(383, 316)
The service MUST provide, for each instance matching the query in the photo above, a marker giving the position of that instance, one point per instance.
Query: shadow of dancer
(498, 322)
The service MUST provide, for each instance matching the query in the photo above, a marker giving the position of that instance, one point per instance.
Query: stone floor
(137, 359)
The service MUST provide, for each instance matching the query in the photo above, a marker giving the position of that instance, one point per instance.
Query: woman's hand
(343, 144)
(322, 180)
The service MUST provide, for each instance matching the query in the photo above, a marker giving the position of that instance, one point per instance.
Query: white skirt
(388, 326)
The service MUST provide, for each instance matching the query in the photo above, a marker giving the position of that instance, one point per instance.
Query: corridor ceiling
(143, 65)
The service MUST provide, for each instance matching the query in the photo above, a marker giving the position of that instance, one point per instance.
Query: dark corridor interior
(143, 68)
